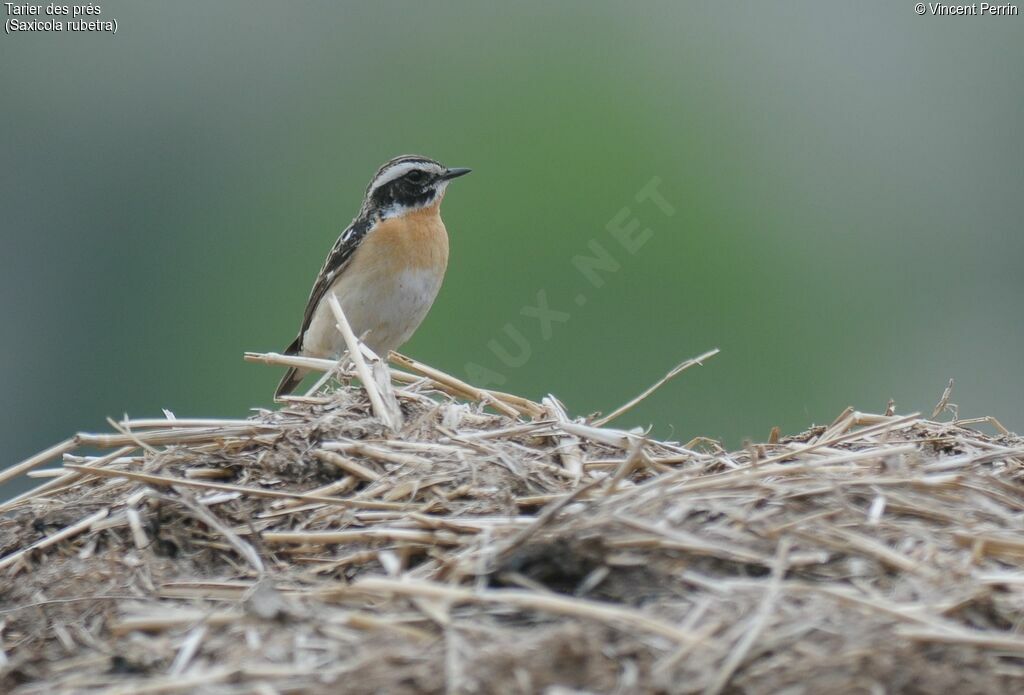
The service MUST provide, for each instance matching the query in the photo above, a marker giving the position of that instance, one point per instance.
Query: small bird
(386, 267)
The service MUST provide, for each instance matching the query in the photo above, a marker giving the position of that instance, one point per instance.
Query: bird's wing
(337, 259)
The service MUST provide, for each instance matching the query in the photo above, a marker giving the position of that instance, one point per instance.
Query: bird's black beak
(455, 173)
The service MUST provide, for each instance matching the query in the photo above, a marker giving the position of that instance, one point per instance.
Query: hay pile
(421, 535)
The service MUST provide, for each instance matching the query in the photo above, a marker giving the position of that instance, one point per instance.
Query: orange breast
(415, 241)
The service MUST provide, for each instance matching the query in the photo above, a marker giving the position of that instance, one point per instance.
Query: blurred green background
(847, 179)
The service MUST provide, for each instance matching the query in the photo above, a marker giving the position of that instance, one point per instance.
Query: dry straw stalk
(420, 534)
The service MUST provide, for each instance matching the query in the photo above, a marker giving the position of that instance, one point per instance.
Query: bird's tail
(294, 376)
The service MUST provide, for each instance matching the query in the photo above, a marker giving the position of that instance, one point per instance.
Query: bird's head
(408, 183)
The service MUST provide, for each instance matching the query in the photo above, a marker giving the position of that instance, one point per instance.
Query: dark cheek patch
(403, 194)
(384, 196)
(422, 199)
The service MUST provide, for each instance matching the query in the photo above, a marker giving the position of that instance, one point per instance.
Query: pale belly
(384, 314)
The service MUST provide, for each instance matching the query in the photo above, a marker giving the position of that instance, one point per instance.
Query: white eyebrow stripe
(399, 170)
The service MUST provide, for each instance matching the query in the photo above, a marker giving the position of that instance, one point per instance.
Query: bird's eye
(417, 177)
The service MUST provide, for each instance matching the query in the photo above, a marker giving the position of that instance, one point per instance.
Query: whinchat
(386, 267)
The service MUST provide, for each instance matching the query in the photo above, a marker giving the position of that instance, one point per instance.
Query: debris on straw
(419, 534)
